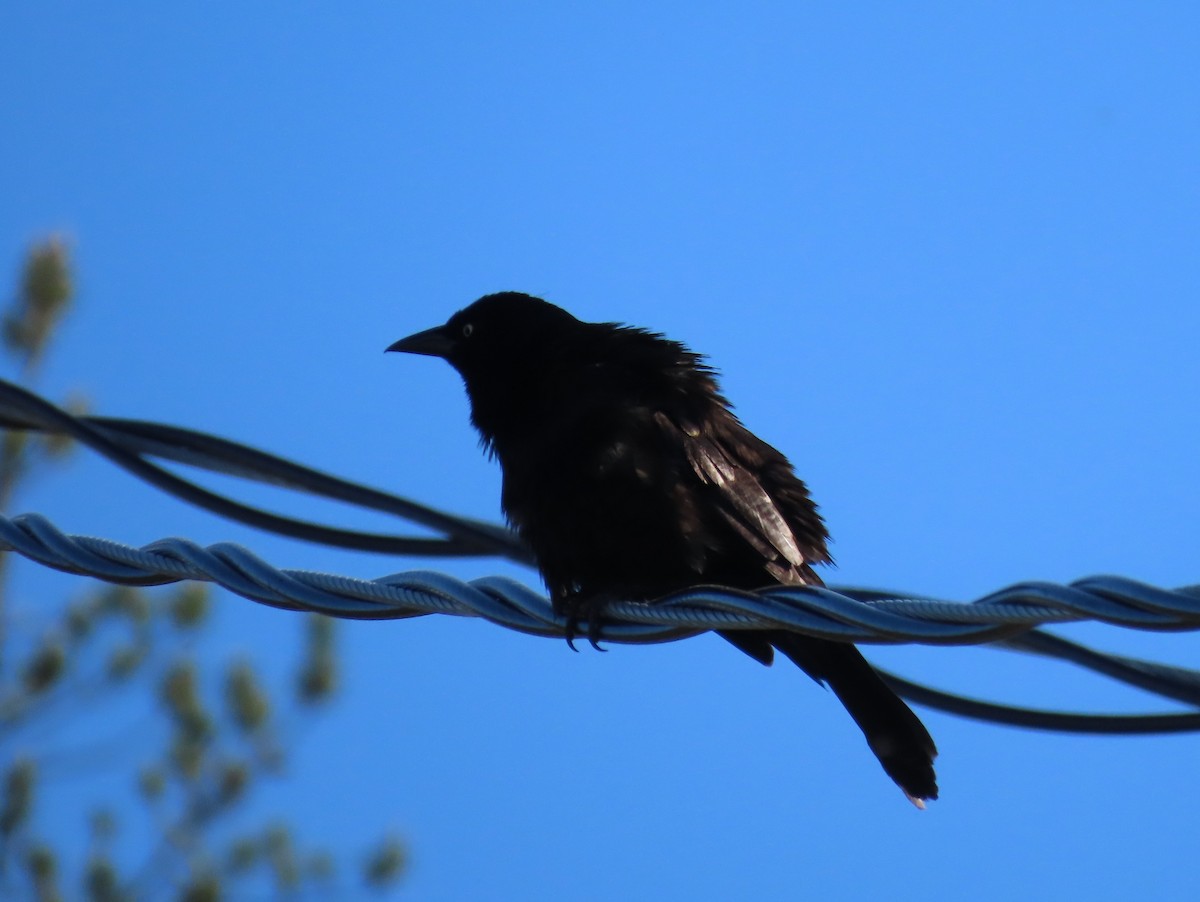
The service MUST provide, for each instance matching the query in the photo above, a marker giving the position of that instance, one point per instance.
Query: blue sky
(945, 255)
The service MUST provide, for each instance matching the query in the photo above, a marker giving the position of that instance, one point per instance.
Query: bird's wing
(756, 493)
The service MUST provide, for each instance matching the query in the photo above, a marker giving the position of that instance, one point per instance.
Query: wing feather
(757, 495)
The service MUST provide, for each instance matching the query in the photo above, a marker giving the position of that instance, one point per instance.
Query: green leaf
(100, 880)
(19, 783)
(43, 670)
(386, 863)
(46, 289)
(189, 605)
(152, 782)
(248, 703)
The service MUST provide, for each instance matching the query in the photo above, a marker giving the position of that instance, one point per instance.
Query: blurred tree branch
(119, 654)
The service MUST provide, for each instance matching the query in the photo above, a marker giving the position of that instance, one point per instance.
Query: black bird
(627, 473)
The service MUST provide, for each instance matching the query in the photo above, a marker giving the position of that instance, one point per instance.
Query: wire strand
(1009, 618)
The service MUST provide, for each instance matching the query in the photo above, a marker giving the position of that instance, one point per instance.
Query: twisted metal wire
(1007, 618)
(844, 614)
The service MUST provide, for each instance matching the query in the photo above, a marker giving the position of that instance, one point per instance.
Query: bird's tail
(894, 733)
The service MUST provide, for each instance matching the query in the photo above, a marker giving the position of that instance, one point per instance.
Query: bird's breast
(605, 513)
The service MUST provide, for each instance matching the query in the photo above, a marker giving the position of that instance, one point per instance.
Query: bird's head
(507, 347)
(497, 333)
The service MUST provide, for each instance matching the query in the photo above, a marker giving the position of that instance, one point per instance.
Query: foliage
(120, 649)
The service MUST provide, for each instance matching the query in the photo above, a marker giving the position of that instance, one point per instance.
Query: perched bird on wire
(627, 473)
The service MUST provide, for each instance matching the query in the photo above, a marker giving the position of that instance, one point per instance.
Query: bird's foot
(581, 609)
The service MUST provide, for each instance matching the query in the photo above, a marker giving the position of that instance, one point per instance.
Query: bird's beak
(432, 343)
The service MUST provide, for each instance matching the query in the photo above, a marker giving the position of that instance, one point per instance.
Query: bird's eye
(467, 330)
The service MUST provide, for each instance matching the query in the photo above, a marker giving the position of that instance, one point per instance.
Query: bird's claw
(575, 609)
